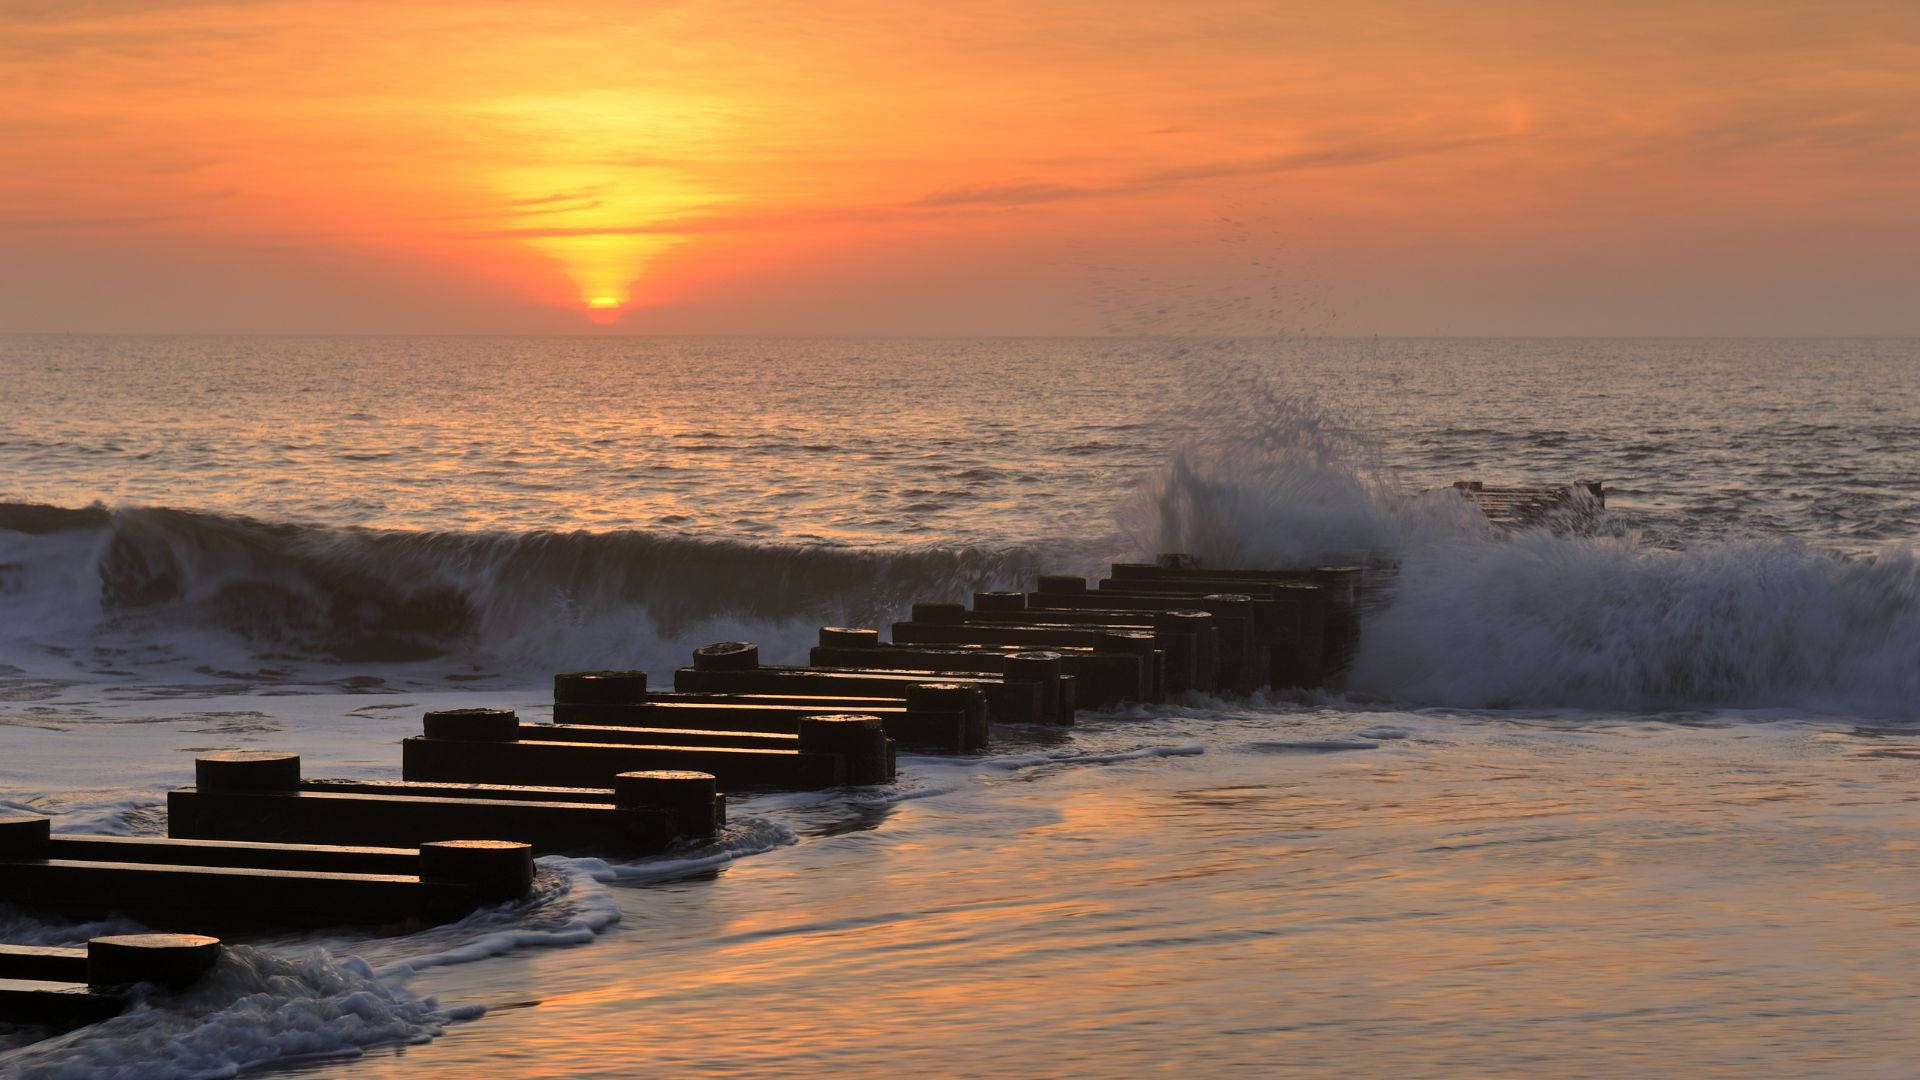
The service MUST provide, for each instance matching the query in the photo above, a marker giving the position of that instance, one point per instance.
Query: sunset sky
(1368, 166)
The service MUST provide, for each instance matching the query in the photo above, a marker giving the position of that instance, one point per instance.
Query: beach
(1628, 798)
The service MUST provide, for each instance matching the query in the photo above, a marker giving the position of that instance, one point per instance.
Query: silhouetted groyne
(627, 770)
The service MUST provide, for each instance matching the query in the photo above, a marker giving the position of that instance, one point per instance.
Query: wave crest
(363, 595)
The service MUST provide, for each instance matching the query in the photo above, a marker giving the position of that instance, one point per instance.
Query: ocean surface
(1636, 795)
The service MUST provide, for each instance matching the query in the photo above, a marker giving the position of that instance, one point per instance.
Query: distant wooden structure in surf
(1530, 507)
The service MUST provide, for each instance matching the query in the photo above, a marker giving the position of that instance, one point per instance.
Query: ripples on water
(884, 442)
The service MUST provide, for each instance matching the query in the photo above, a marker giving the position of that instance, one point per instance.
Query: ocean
(1630, 796)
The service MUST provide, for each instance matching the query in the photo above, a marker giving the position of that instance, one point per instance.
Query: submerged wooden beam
(497, 748)
(738, 670)
(255, 798)
(204, 886)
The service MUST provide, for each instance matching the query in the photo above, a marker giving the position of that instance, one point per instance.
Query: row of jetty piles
(625, 770)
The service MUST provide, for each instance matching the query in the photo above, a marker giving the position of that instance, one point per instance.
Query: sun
(603, 309)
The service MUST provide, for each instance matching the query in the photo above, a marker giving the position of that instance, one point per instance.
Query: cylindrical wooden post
(727, 656)
(495, 870)
(24, 836)
(1140, 643)
(999, 601)
(1178, 633)
(1340, 587)
(600, 688)
(852, 637)
(691, 798)
(858, 739)
(1298, 659)
(172, 960)
(941, 697)
(1040, 666)
(953, 697)
(475, 725)
(1134, 642)
(1036, 665)
(246, 770)
(941, 614)
(1060, 583)
(1233, 615)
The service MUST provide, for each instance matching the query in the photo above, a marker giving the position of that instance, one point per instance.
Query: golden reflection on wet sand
(1475, 900)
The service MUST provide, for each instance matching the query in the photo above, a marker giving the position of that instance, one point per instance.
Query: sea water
(1634, 795)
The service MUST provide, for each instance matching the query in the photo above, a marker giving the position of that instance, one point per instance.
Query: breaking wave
(1591, 612)
(1587, 612)
(1615, 623)
(369, 596)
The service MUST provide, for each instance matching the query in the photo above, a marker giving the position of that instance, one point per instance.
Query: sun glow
(604, 309)
(990, 168)
(603, 203)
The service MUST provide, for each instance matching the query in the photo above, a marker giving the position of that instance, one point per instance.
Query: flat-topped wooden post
(599, 687)
(24, 836)
(175, 961)
(1042, 668)
(485, 725)
(496, 870)
(856, 739)
(1241, 663)
(945, 696)
(244, 771)
(692, 798)
(1187, 636)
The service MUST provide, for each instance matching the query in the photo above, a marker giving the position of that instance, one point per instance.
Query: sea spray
(1580, 612)
(1266, 479)
(1612, 622)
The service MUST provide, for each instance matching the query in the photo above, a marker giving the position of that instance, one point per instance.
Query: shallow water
(1631, 799)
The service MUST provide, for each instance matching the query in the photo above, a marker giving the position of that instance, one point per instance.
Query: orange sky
(1368, 166)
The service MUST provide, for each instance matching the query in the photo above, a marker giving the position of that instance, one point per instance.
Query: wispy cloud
(1026, 193)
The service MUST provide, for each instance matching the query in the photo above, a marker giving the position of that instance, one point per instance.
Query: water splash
(1580, 612)
(1266, 479)
(1615, 623)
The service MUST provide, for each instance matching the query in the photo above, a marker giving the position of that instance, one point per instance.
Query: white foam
(753, 836)
(566, 909)
(1615, 623)
(1479, 618)
(1081, 757)
(256, 1009)
(1314, 746)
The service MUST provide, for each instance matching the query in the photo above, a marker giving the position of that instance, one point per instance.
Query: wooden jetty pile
(253, 844)
(1145, 632)
(63, 987)
(626, 770)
